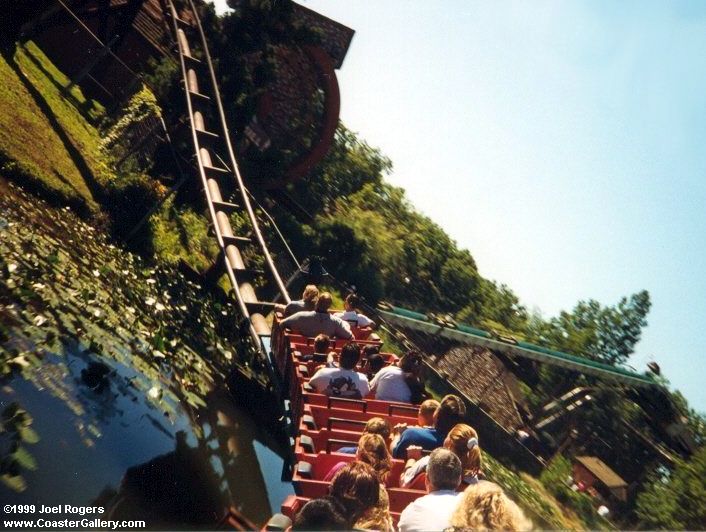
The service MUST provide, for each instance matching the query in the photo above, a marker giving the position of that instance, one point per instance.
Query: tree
(349, 165)
(620, 327)
(419, 265)
(346, 257)
(497, 308)
(675, 500)
(605, 334)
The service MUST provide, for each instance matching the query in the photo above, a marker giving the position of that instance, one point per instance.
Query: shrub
(182, 234)
(128, 198)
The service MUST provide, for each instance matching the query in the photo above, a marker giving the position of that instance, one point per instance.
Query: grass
(581, 504)
(544, 511)
(31, 147)
(389, 341)
(49, 143)
(70, 113)
(571, 520)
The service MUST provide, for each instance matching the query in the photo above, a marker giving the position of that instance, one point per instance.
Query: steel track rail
(213, 176)
(236, 170)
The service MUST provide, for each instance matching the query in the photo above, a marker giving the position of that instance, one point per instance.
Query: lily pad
(25, 459)
(14, 482)
(28, 434)
(194, 400)
(20, 362)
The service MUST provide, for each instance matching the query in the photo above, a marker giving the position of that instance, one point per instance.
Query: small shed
(594, 473)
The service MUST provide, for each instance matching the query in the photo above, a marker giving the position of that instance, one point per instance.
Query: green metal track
(470, 335)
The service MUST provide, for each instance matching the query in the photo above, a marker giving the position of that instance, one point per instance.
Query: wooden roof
(335, 37)
(481, 377)
(601, 471)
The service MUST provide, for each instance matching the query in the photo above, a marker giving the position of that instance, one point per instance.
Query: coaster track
(218, 170)
(466, 334)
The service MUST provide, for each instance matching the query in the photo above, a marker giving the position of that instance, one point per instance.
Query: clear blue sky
(562, 143)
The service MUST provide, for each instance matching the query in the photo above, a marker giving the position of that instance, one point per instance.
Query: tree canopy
(675, 500)
(604, 333)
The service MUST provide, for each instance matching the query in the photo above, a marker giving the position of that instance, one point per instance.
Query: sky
(562, 142)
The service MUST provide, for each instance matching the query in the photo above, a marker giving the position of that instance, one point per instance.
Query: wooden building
(105, 45)
(102, 44)
(594, 474)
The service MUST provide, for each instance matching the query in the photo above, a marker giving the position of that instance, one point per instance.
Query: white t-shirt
(389, 385)
(339, 382)
(411, 473)
(429, 513)
(351, 316)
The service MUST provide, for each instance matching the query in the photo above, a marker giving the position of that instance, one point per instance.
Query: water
(112, 383)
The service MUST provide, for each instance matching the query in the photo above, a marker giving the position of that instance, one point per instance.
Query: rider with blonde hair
(484, 507)
(307, 302)
(372, 450)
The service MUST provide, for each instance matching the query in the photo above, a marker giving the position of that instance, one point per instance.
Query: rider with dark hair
(343, 381)
(451, 411)
(321, 514)
(399, 382)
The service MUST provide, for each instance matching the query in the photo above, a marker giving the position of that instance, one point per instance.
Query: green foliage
(609, 428)
(675, 501)
(46, 141)
(415, 262)
(555, 478)
(496, 306)
(91, 110)
(142, 106)
(163, 77)
(391, 249)
(537, 504)
(606, 334)
(695, 421)
(17, 434)
(249, 43)
(182, 234)
(349, 165)
(350, 261)
(31, 149)
(81, 139)
(128, 198)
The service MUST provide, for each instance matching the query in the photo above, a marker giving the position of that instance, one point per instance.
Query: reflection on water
(111, 376)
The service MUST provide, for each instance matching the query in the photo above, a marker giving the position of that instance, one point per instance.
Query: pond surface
(112, 382)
